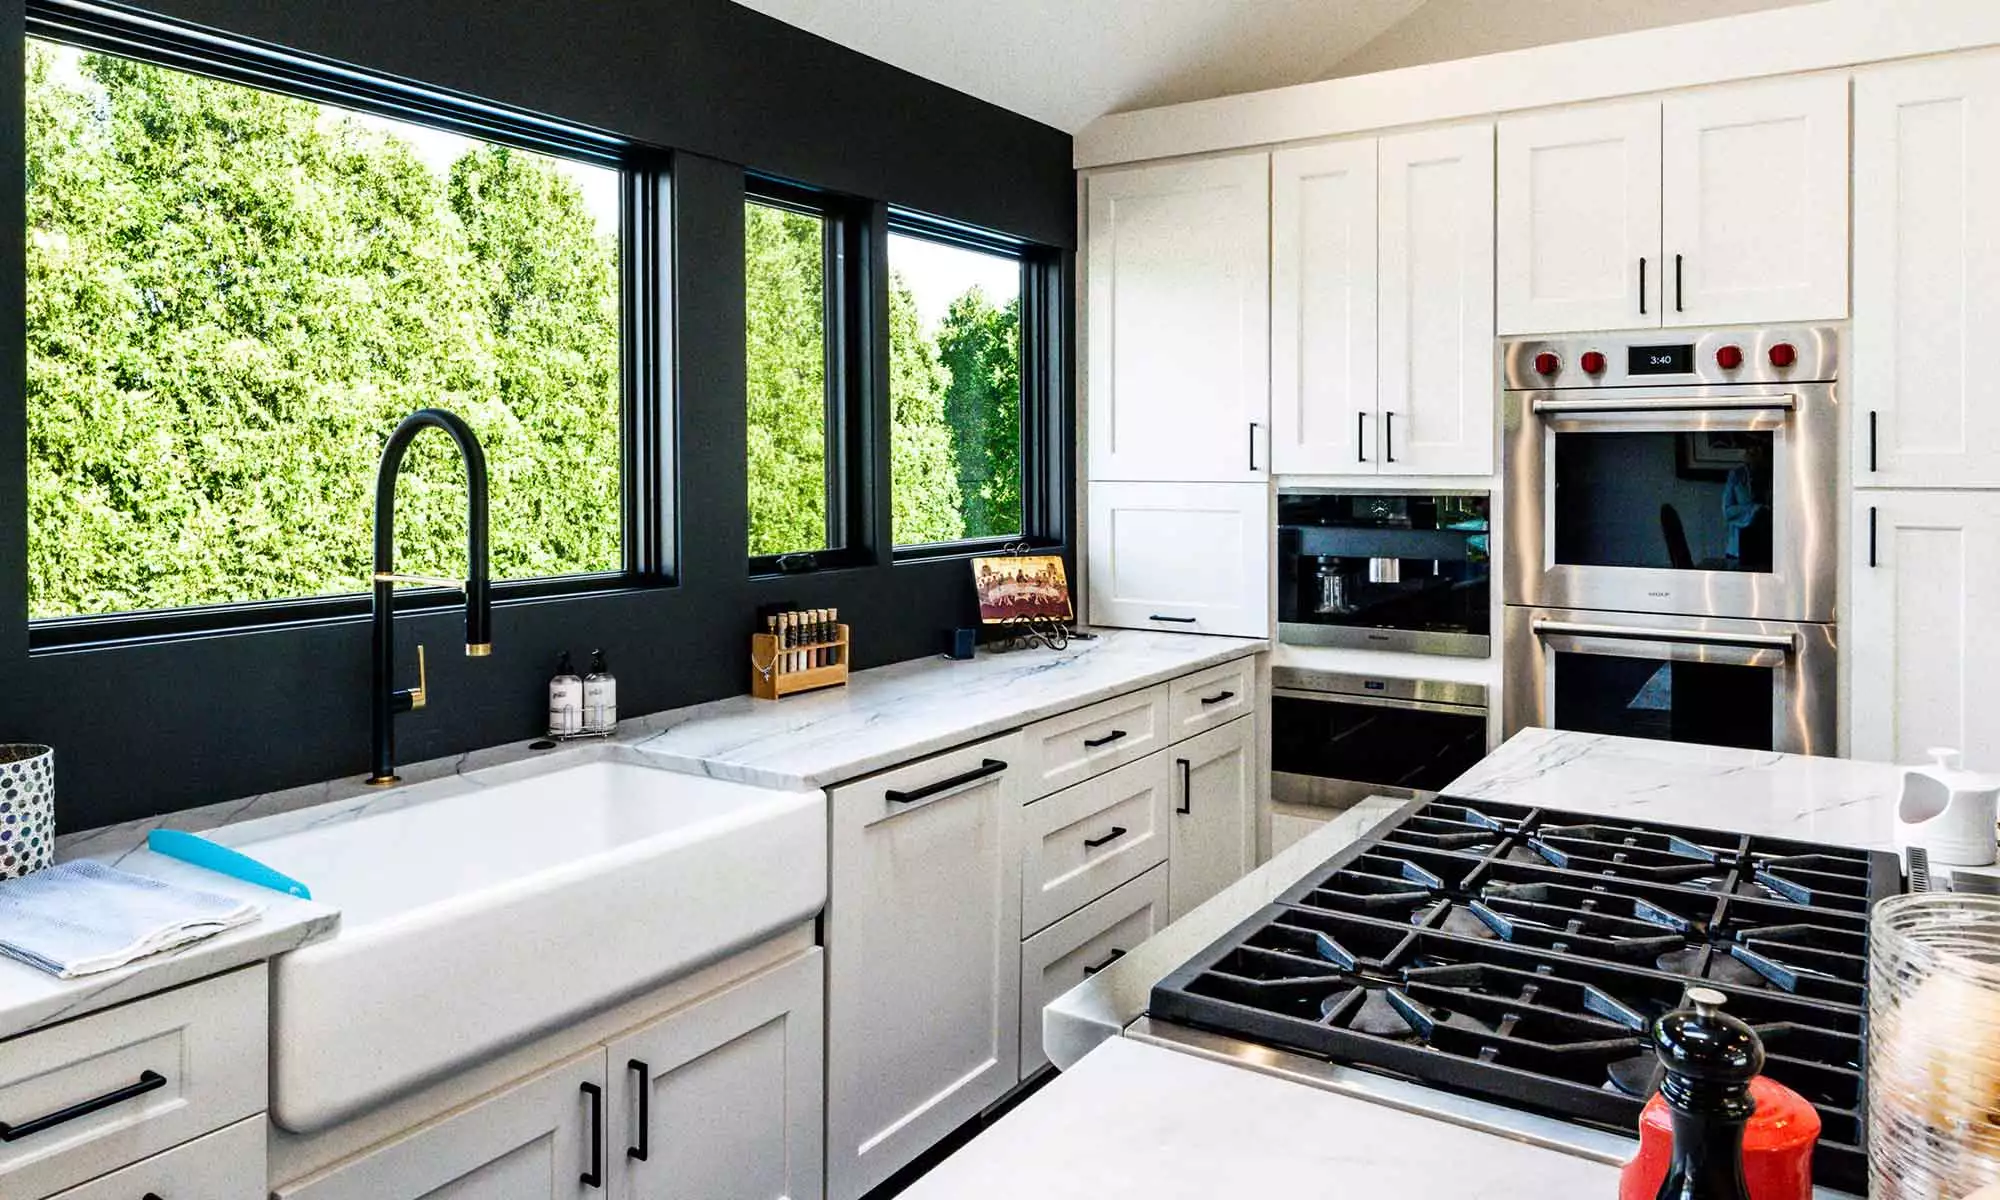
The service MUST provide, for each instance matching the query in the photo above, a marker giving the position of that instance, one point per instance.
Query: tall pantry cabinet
(1923, 645)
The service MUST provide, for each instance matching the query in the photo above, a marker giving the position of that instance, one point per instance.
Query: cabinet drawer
(1078, 946)
(133, 1080)
(1071, 748)
(1085, 840)
(1209, 698)
(226, 1165)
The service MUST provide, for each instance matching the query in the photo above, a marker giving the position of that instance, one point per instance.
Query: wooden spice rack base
(775, 669)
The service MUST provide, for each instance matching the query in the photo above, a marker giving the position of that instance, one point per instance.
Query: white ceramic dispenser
(1949, 812)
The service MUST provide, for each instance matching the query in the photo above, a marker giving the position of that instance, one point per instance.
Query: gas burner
(1519, 955)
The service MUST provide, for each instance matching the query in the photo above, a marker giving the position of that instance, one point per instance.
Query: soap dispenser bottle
(600, 696)
(565, 700)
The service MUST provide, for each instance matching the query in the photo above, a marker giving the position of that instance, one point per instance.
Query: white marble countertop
(30, 999)
(883, 717)
(1134, 1120)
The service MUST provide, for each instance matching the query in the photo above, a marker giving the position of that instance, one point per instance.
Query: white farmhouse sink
(476, 917)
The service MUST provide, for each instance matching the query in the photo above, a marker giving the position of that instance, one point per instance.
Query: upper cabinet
(1178, 305)
(1926, 272)
(1382, 305)
(1579, 244)
(1747, 222)
(1435, 394)
(1323, 325)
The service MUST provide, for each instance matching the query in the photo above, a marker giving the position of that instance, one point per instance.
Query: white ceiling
(1068, 62)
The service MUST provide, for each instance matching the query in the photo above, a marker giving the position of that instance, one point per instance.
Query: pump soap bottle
(600, 696)
(565, 700)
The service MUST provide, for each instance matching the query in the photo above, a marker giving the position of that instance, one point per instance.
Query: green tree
(784, 284)
(233, 296)
(980, 346)
(924, 490)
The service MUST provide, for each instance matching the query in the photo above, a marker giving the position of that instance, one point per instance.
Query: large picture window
(233, 296)
(955, 392)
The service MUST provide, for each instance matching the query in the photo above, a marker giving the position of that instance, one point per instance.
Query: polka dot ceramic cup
(27, 809)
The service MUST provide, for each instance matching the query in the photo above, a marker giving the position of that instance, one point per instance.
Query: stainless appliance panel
(1385, 571)
(1720, 681)
(1614, 536)
(1338, 738)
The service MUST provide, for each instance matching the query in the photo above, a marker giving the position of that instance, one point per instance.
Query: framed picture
(1014, 589)
(1711, 455)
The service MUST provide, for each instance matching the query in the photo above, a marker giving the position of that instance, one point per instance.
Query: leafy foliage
(234, 296)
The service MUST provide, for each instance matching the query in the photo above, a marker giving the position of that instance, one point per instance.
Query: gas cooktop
(1518, 955)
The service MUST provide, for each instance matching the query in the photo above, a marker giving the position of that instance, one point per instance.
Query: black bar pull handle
(1218, 698)
(644, 1146)
(595, 1176)
(1173, 620)
(990, 766)
(1679, 297)
(1361, 437)
(1642, 285)
(1094, 743)
(1187, 786)
(1113, 957)
(149, 1081)
(1874, 430)
(1388, 437)
(1253, 445)
(1871, 535)
(1117, 831)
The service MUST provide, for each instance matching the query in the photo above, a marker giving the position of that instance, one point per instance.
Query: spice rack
(778, 670)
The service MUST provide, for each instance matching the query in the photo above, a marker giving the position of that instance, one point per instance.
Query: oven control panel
(1717, 357)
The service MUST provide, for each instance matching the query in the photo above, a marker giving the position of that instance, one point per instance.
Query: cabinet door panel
(923, 936)
(1078, 946)
(1214, 826)
(529, 1142)
(1436, 388)
(1924, 648)
(1189, 558)
(1178, 345)
(1579, 235)
(1927, 272)
(1754, 209)
(1323, 309)
(732, 1094)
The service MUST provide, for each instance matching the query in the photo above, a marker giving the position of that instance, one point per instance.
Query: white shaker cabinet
(1579, 240)
(1177, 322)
(1214, 840)
(1754, 202)
(1436, 385)
(1323, 326)
(724, 1099)
(1923, 649)
(1926, 273)
(537, 1140)
(1183, 557)
(923, 937)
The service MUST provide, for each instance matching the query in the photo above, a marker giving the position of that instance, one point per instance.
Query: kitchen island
(1160, 1144)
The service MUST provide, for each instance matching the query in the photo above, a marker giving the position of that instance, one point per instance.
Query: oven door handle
(1674, 645)
(1609, 404)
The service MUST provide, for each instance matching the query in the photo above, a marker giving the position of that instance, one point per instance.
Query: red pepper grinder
(1717, 1130)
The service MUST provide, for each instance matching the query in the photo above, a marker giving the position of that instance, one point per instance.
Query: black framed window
(245, 267)
(969, 388)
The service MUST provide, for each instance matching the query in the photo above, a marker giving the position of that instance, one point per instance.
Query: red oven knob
(1729, 357)
(1547, 363)
(1784, 354)
(1593, 363)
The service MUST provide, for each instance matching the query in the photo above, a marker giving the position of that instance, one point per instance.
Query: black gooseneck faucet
(386, 698)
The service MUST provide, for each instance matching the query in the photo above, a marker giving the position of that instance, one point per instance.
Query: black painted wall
(142, 729)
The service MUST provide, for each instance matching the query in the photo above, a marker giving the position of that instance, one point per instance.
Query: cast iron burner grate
(1520, 955)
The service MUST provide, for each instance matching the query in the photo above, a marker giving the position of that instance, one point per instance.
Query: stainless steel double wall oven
(1672, 535)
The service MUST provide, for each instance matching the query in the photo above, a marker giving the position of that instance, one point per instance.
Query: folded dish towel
(83, 917)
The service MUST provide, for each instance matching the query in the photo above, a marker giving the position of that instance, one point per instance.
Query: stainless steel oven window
(1777, 675)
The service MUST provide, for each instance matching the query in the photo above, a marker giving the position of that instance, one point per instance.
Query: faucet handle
(420, 694)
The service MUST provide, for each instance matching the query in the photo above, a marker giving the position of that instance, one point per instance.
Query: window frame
(645, 389)
(1044, 490)
(844, 340)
